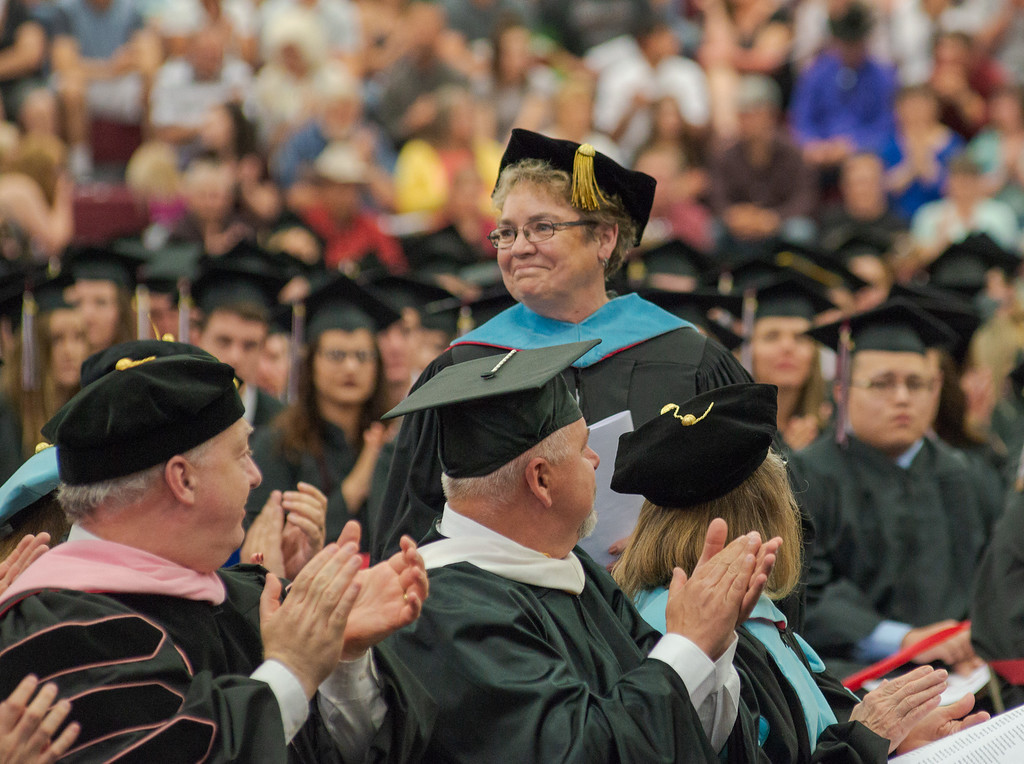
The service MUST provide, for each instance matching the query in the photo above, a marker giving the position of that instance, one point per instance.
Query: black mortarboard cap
(897, 326)
(593, 174)
(698, 450)
(222, 281)
(341, 303)
(122, 355)
(402, 292)
(963, 266)
(860, 241)
(674, 257)
(104, 264)
(793, 296)
(956, 313)
(493, 409)
(138, 417)
(694, 307)
(48, 292)
(471, 314)
(815, 265)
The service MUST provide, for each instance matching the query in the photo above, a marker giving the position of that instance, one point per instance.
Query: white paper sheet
(1000, 740)
(616, 512)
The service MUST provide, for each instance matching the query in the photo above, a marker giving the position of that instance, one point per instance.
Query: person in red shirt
(353, 236)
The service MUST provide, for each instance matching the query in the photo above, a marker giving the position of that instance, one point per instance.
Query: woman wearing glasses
(567, 215)
(330, 436)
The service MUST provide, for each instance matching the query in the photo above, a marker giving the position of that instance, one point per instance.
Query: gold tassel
(586, 195)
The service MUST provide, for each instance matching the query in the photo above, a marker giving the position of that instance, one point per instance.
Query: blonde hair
(40, 157)
(153, 170)
(558, 184)
(666, 538)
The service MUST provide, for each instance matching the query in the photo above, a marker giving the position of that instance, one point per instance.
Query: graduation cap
(861, 241)
(595, 177)
(816, 265)
(791, 296)
(401, 292)
(104, 264)
(143, 414)
(717, 439)
(491, 410)
(222, 282)
(38, 293)
(674, 257)
(341, 303)
(695, 306)
(956, 313)
(34, 479)
(468, 315)
(963, 266)
(897, 326)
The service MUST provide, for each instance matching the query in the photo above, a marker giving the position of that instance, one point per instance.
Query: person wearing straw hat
(529, 649)
(198, 663)
(721, 441)
(568, 215)
(899, 517)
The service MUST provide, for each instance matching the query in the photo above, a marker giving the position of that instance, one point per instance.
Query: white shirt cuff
(352, 705)
(713, 687)
(289, 693)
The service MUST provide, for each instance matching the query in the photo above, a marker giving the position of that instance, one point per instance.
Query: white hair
(79, 501)
(502, 485)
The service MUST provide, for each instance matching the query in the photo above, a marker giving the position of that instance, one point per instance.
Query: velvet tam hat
(594, 175)
(698, 450)
(143, 414)
(491, 410)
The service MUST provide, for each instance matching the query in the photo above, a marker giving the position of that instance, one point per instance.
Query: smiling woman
(567, 215)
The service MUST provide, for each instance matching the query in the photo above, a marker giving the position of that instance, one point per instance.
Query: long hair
(302, 426)
(34, 407)
(666, 538)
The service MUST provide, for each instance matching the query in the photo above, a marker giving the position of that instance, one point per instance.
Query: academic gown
(890, 543)
(267, 407)
(159, 678)
(280, 472)
(524, 673)
(628, 370)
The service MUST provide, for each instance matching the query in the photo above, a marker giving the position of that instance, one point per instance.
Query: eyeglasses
(335, 355)
(534, 231)
(887, 386)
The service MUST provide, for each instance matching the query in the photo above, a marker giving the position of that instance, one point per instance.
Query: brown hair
(42, 515)
(300, 424)
(558, 183)
(666, 538)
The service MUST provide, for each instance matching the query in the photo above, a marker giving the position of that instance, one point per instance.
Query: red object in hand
(855, 681)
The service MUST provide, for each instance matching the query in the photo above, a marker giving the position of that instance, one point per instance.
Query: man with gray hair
(163, 656)
(530, 649)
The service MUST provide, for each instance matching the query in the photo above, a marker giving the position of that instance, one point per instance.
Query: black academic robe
(282, 472)
(523, 673)
(890, 543)
(671, 367)
(155, 678)
(767, 694)
(267, 407)
(997, 608)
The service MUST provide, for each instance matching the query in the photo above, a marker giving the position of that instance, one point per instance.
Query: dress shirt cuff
(701, 676)
(885, 640)
(352, 705)
(289, 693)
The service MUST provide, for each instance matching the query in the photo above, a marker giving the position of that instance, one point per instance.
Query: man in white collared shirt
(530, 650)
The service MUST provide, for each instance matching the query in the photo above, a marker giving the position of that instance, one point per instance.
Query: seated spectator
(426, 166)
(744, 37)
(22, 57)
(579, 30)
(574, 116)
(481, 20)
(889, 489)
(238, 21)
(36, 198)
(676, 212)
(916, 157)
(863, 206)
(213, 219)
(350, 233)
(408, 102)
(964, 209)
(104, 59)
(843, 102)
(963, 78)
(999, 148)
(628, 91)
(188, 87)
(761, 187)
(580, 675)
(519, 87)
(338, 20)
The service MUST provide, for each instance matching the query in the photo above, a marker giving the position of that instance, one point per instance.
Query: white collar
(468, 541)
(78, 533)
(248, 396)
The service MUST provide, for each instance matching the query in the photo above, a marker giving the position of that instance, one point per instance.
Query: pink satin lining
(105, 566)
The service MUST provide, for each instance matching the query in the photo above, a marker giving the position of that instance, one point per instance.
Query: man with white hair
(531, 651)
(163, 656)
